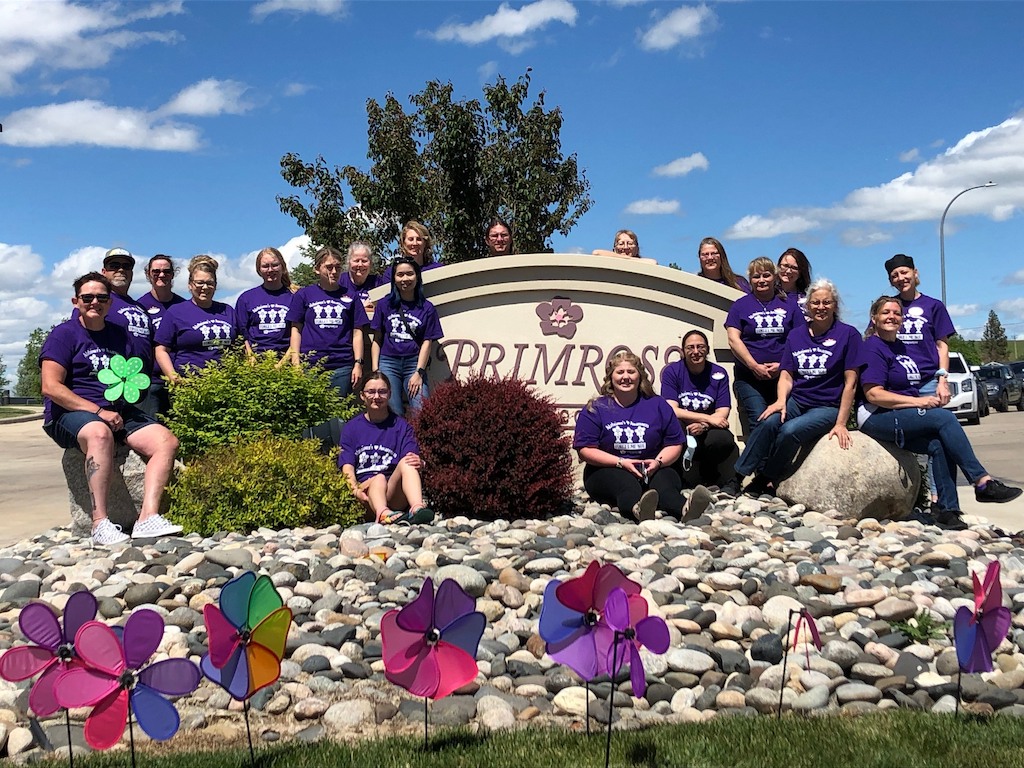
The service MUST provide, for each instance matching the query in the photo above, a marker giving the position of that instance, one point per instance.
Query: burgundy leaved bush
(493, 449)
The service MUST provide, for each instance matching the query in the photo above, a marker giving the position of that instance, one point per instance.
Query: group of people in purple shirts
(800, 374)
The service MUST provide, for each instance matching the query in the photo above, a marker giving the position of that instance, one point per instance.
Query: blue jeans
(754, 397)
(399, 370)
(934, 431)
(929, 388)
(64, 431)
(341, 379)
(774, 444)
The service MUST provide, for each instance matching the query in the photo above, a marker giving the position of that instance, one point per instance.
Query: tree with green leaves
(452, 165)
(30, 383)
(969, 349)
(993, 339)
(4, 381)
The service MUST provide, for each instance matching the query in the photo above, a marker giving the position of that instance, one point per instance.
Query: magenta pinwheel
(571, 618)
(54, 649)
(626, 615)
(116, 681)
(430, 645)
(246, 635)
(803, 619)
(977, 633)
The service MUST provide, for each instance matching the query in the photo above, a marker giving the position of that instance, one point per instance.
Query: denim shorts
(64, 431)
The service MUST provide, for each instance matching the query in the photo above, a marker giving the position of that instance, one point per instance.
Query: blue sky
(840, 128)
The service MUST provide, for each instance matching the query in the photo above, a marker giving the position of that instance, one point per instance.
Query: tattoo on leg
(91, 468)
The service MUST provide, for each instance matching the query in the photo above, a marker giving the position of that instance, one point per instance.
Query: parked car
(1004, 389)
(1018, 370)
(963, 390)
(984, 407)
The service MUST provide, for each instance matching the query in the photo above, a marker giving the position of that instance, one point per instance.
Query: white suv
(963, 390)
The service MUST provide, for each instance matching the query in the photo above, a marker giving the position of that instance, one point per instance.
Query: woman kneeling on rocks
(381, 459)
(629, 439)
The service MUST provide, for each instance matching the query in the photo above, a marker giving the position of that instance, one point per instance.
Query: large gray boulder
(871, 479)
(124, 499)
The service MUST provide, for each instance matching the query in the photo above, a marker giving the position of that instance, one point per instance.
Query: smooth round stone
(894, 609)
(813, 698)
(722, 631)
(849, 692)
(545, 565)
(348, 714)
(684, 660)
(683, 700)
(870, 673)
(766, 701)
(730, 699)
(776, 610)
(231, 558)
(723, 581)
(469, 579)
(862, 598)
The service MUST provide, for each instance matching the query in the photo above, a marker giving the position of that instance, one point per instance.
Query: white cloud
(683, 165)
(961, 310)
(655, 206)
(208, 98)
(297, 89)
(76, 264)
(336, 8)
(509, 26)
(994, 153)
(487, 70)
(910, 156)
(682, 24)
(860, 238)
(1016, 278)
(65, 35)
(1013, 308)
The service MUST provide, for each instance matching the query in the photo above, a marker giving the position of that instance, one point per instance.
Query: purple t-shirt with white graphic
(375, 449)
(327, 319)
(156, 309)
(262, 318)
(82, 353)
(194, 336)
(639, 431)
(890, 366)
(818, 364)
(925, 320)
(127, 313)
(360, 291)
(763, 328)
(702, 392)
(404, 327)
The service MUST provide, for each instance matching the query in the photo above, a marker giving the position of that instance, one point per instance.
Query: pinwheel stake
(246, 635)
(977, 633)
(53, 652)
(803, 615)
(429, 646)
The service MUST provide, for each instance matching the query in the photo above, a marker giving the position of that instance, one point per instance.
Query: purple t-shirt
(818, 364)
(404, 328)
(194, 336)
(127, 313)
(890, 366)
(702, 392)
(262, 316)
(83, 353)
(327, 319)
(924, 321)
(156, 309)
(637, 432)
(741, 282)
(763, 328)
(375, 449)
(361, 291)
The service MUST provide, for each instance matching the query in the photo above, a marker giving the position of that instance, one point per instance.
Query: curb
(22, 419)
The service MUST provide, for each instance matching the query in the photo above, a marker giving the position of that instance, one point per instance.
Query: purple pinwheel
(626, 616)
(54, 651)
(978, 633)
(429, 646)
(114, 681)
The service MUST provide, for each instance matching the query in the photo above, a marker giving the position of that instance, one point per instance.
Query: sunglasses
(119, 266)
(89, 298)
(161, 272)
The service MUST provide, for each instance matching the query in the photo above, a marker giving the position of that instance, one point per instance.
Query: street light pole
(942, 233)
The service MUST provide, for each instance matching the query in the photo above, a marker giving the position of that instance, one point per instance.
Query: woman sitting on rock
(896, 412)
(381, 459)
(817, 385)
(629, 439)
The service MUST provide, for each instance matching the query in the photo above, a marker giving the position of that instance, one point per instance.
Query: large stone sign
(554, 320)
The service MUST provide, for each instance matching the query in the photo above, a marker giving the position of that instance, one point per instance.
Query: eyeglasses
(204, 283)
(161, 272)
(710, 253)
(695, 348)
(821, 303)
(99, 298)
(376, 393)
(788, 268)
(498, 237)
(763, 276)
(119, 266)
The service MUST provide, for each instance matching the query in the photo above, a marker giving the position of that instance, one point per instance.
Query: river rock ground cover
(725, 583)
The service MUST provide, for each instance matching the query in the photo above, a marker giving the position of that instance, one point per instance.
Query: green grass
(7, 412)
(900, 740)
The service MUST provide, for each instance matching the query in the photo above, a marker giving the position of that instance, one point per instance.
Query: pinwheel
(978, 633)
(114, 680)
(124, 378)
(632, 629)
(803, 618)
(429, 646)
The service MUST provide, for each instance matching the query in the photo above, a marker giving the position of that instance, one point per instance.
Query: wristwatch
(421, 371)
(941, 372)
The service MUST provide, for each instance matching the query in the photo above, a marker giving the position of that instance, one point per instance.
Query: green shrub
(241, 396)
(493, 449)
(268, 481)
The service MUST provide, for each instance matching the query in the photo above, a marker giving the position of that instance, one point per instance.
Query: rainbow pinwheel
(632, 629)
(978, 633)
(571, 621)
(114, 681)
(429, 646)
(246, 635)
(54, 651)
(124, 378)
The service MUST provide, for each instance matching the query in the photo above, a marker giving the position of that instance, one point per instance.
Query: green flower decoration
(124, 379)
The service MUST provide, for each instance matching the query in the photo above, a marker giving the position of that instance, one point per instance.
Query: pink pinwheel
(631, 629)
(429, 646)
(115, 683)
(806, 618)
(978, 633)
(54, 651)
(571, 617)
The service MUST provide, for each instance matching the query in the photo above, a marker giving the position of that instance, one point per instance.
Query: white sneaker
(107, 533)
(154, 527)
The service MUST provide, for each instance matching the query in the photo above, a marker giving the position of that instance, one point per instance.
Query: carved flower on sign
(558, 317)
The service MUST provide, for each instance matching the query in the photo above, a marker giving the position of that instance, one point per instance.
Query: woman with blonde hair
(414, 243)
(624, 246)
(262, 311)
(714, 265)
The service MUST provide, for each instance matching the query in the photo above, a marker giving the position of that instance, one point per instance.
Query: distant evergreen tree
(30, 382)
(993, 339)
(4, 382)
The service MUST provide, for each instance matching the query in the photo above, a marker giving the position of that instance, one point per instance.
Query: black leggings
(713, 448)
(621, 488)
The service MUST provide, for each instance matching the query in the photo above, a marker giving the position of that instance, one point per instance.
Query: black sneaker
(995, 492)
(731, 488)
(759, 486)
(949, 519)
